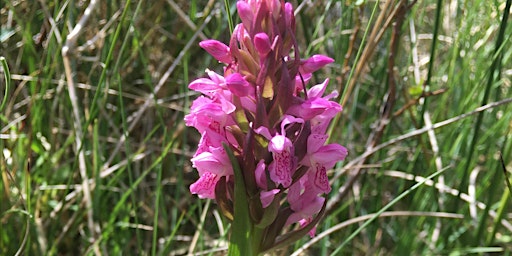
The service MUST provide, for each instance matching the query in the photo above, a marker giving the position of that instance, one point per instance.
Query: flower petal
(314, 63)
(267, 197)
(283, 165)
(217, 49)
(204, 187)
(262, 44)
(237, 85)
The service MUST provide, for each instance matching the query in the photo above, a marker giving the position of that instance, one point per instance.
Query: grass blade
(385, 208)
(7, 76)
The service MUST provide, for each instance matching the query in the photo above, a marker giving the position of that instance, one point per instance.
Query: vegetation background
(95, 154)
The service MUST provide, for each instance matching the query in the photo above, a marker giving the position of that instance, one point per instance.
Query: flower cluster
(276, 127)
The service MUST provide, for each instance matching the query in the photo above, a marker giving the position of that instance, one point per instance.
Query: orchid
(262, 131)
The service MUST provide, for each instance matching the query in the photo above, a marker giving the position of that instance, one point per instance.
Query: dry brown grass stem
(370, 151)
(439, 166)
(151, 97)
(369, 216)
(186, 19)
(369, 48)
(398, 14)
(414, 133)
(51, 92)
(67, 51)
(447, 190)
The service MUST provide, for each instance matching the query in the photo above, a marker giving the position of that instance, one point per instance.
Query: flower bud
(217, 49)
(262, 44)
(314, 63)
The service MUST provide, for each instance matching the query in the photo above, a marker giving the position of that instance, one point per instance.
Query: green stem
(245, 239)
(431, 62)
(230, 19)
(497, 57)
(255, 240)
(7, 76)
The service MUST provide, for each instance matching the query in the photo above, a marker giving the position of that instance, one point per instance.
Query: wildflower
(260, 111)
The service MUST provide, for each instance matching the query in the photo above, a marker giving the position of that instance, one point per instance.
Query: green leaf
(239, 241)
(7, 76)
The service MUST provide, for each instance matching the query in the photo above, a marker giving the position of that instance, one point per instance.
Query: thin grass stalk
(347, 89)
(24, 246)
(490, 194)
(447, 191)
(318, 26)
(398, 14)
(362, 218)
(96, 159)
(505, 172)
(185, 18)
(7, 77)
(67, 50)
(417, 132)
(106, 66)
(432, 59)
(199, 228)
(166, 248)
(26, 242)
(501, 206)
(496, 60)
(124, 123)
(230, 18)
(385, 208)
(121, 202)
(156, 209)
(163, 79)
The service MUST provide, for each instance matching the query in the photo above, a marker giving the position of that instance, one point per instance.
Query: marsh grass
(401, 67)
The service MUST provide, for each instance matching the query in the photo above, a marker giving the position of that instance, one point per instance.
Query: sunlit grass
(131, 66)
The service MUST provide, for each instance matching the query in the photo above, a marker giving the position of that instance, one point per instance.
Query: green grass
(131, 66)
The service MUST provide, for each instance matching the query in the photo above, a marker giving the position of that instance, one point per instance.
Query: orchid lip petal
(204, 187)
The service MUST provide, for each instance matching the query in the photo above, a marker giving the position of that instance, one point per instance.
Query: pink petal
(302, 80)
(263, 131)
(288, 14)
(279, 143)
(215, 77)
(215, 161)
(288, 119)
(321, 181)
(305, 222)
(204, 187)
(306, 210)
(204, 85)
(237, 85)
(318, 90)
(261, 176)
(315, 141)
(314, 63)
(246, 13)
(329, 154)
(281, 168)
(262, 44)
(217, 49)
(267, 197)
